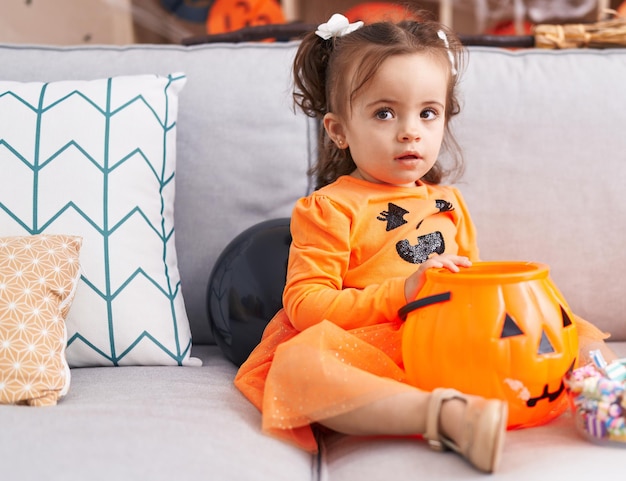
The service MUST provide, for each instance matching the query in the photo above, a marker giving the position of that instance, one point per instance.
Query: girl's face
(396, 124)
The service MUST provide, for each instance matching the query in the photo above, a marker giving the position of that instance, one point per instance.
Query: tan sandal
(484, 427)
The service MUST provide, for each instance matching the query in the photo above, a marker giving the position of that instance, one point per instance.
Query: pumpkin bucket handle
(423, 302)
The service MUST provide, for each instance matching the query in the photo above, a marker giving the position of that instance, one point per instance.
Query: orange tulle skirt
(297, 379)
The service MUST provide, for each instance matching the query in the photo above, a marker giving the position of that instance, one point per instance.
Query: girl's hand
(415, 281)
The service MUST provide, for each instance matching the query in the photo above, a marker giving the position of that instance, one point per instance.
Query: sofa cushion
(555, 450)
(97, 159)
(243, 152)
(157, 423)
(541, 136)
(38, 279)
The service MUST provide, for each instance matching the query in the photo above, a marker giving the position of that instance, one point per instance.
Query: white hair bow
(337, 26)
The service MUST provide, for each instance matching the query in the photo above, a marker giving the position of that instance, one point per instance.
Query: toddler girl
(331, 358)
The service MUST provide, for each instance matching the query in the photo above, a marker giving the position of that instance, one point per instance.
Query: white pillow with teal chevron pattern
(97, 159)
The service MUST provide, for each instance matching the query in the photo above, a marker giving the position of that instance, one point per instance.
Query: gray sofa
(544, 143)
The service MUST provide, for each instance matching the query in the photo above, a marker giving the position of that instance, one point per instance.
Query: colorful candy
(616, 371)
(597, 395)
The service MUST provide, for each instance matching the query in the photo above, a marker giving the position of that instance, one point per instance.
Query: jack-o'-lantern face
(506, 332)
(231, 15)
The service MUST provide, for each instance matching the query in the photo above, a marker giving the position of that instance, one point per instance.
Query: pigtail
(309, 74)
(311, 96)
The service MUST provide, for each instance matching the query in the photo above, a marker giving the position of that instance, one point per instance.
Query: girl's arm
(318, 261)
(320, 257)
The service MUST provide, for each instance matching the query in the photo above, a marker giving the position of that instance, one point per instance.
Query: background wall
(71, 22)
(66, 21)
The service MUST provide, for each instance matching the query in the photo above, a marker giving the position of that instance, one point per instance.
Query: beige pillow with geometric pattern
(38, 278)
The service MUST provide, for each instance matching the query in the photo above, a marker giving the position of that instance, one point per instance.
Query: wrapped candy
(598, 400)
(616, 371)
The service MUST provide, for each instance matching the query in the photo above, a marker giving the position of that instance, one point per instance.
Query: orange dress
(335, 346)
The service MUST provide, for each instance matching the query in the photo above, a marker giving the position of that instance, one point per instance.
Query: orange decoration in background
(506, 332)
(621, 10)
(371, 12)
(507, 27)
(230, 15)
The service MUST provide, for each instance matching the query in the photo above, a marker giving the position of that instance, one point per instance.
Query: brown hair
(321, 70)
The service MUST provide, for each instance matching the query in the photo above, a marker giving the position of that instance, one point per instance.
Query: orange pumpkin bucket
(496, 329)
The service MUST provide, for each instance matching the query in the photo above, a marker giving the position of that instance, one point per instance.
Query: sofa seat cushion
(552, 451)
(149, 422)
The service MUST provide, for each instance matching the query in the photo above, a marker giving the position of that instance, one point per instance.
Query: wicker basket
(605, 34)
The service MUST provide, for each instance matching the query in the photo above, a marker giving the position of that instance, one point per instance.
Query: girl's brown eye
(429, 114)
(384, 114)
